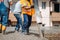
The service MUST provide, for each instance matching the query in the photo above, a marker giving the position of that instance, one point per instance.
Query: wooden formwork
(12, 19)
(55, 16)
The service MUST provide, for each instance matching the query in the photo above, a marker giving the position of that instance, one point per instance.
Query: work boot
(17, 29)
(27, 32)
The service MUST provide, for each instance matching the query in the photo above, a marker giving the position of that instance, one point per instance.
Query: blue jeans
(19, 21)
(27, 22)
(3, 14)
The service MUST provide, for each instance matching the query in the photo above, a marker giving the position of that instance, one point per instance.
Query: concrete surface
(12, 35)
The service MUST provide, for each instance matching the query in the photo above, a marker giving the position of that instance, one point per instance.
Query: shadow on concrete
(35, 34)
(9, 32)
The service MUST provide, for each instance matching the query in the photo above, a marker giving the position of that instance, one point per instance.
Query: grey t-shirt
(18, 7)
(6, 2)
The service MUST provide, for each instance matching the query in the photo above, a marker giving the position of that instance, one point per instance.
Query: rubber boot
(3, 29)
(0, 28)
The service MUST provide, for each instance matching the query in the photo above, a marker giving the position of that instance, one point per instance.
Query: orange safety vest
(30, 11)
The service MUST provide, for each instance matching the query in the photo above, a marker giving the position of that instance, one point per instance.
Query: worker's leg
(25, 22)
(19, 21)
(4, 22)
(29, 23)
(4, 13)
(0, 24)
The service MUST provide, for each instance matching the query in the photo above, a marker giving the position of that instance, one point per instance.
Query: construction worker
(27, 14)
(4, 8)
(17, 14)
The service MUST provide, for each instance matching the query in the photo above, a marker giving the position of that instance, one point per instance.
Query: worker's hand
(11, 3)
(32, 6)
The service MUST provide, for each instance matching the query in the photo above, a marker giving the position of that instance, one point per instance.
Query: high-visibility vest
(29, 11)
(32, 9)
